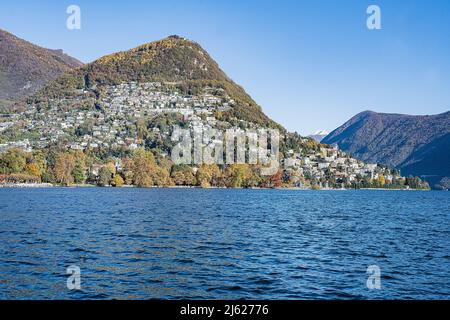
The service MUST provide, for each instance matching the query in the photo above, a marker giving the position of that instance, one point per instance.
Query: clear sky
(310, 64)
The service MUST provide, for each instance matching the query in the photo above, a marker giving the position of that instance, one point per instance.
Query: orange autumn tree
(276, 180)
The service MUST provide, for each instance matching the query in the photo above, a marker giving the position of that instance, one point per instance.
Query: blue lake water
(134, 243)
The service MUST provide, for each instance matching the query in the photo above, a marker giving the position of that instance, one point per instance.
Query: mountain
(319, 135)
(173, 60)
(111, 110)
(418, 145)
(25, 67)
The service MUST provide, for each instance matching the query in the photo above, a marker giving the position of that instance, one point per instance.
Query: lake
(132, 243)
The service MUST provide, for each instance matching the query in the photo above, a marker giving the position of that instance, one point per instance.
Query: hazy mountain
(25, 67)
(319, 135)
(418, 145)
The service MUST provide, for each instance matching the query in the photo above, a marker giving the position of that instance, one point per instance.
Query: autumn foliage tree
(33, 170)
(64, 165)
(144, 168)
(183, 175)
(237, 175)
(13, 161)
(146, 172)
(117, 181)
(276, 180)
(208, 175)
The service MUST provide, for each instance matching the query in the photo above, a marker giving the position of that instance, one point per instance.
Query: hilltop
(25, 67)
(173, 60)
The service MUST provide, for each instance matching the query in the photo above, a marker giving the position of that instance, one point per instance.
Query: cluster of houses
(331, 165)
(110, 122)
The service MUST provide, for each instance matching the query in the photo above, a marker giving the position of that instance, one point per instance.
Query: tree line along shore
(143, 168)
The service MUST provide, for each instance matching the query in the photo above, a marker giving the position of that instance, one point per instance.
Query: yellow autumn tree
(183, 176)
(237, 175)
(64, 165)
(208, 175)
(117, 181)
(381, 180)
(162, 178)
(144, 168)
(179, 178)
(127, 170)
(33, 170)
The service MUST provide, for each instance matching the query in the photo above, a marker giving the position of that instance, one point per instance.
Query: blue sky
(310, 64)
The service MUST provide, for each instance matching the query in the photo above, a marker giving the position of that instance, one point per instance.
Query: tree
(182, 175)
(112, 167)
(381, 180)
(117, 181)
(275, 181)
(366, 182)
(141, 129)
(189, 177)
(216, 175)
(293, 178)
(33, 170)
(127, 170)
(162, 178)
(144, 168)
(13, 161)
(208, 175)
(104, 176)
(178, 178)
(39, 159)
(64, 165)
(78, 173)
(237, 175)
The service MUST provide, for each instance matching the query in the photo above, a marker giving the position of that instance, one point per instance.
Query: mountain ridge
(25, 67)
(319, 135)
(402, 141)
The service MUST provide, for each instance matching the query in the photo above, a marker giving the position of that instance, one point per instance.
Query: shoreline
(27, 185)
(49, 185)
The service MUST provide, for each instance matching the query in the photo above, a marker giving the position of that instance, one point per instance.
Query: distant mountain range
(25, 67)
(418, 145)
(319, 135)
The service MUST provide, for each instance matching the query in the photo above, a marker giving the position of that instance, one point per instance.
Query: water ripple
(223, 244)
